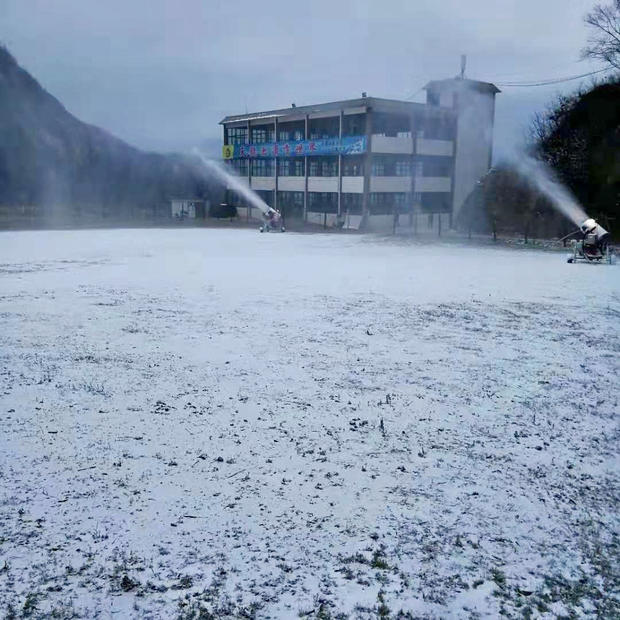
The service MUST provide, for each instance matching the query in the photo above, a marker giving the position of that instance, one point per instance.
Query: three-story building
(367, 162)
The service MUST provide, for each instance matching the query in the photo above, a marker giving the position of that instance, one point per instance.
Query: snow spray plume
(542, 177)
(234, 182)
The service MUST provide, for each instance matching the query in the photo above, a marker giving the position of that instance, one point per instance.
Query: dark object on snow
(223, 211)
(128, 584)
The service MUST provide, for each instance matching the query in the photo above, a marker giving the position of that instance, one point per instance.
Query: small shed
(187, 208)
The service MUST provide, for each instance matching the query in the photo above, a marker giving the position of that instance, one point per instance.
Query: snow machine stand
(591, 244)
(273, 221)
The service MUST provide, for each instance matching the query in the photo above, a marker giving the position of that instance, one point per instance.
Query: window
(283, 136)
(439, 128)
(401, 202)
(437, 167)
(240, 167)
(291, 204)
(263, 134)
(284, 167)
(262, 167)
(402, 168)
(266, 196)
(324, 127)
(351, 203)
(432, 98)
(352, 167)
(323, 167)
(323, 202)
(378, 169)
(329, 167)
(391, 125)
(298, 168)
(435, 202)
(381, 203)
(237, 135)
(298, 134)
(291, 198)
(418, 167)
(290, 167)
(354, 124)
(259, 135)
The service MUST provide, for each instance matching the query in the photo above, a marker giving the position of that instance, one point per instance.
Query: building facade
(367, 163)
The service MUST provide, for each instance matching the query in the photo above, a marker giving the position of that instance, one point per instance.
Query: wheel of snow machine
(570, 260)
(282, 229)
(261, 229)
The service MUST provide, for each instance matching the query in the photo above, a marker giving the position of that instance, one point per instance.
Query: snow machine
(273, 221)
(592, 245)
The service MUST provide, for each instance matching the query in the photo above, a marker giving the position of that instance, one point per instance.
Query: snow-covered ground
(275, 425)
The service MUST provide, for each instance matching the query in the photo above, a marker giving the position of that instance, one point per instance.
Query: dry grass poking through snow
(211, 424)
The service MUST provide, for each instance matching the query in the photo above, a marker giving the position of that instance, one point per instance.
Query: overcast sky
(161, 74)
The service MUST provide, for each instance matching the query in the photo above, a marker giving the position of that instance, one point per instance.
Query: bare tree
(604, 44)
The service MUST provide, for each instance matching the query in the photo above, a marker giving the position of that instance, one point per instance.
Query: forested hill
(580, 138)
(51, 160)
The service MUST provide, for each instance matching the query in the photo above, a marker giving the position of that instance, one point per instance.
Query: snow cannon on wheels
(272, 221)
(591, 244)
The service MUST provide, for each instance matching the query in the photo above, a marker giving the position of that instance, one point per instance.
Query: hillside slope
(581, 141)
(67, 168)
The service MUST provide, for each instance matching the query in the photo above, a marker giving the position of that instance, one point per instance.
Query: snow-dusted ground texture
(231, 424)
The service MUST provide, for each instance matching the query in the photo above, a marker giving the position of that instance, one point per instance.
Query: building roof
(452, 82)
(392, 105)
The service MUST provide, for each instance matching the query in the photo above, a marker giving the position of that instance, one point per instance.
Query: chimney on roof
(364, 95)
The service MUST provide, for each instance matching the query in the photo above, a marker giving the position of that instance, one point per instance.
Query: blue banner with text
(347, 145)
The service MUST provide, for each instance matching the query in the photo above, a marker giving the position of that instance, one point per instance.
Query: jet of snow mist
(543, 178)
(235, 182)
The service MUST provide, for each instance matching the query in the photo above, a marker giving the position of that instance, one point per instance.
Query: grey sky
(162, 73)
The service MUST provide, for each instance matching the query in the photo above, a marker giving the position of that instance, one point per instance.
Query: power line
(414, 93)
(517, 76)
(532, 83)
(552, 81)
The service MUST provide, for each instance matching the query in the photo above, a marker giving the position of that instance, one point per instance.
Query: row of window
(442, 127)
(328, 167)
(286, 136)
(379, 202)
(258, 135)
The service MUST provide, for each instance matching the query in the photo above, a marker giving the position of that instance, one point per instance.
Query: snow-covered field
(318, 425)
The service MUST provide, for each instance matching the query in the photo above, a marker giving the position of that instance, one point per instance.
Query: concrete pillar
(340, 165)
(249, 169)
(367, 164)
(306, 123)
(412, 159)
(275, 164)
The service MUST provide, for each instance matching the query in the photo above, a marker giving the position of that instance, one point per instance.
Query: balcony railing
(392, 145)
(426, 146)
(264, 183)
(433, 184)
